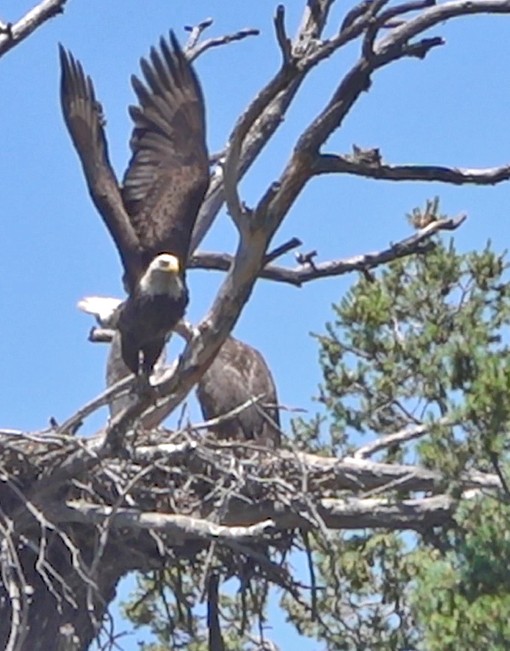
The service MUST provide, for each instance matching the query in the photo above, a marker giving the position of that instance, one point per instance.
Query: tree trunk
(65, 610)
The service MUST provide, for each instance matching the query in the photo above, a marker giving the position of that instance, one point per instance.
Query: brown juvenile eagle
(239, 373)
(151, 216)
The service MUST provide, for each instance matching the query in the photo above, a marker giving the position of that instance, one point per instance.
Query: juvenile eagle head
(163, 276)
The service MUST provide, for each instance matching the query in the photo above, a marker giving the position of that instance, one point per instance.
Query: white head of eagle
(162, 276)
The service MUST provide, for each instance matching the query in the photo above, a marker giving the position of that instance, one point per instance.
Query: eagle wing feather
(168, 173)
(84, 118)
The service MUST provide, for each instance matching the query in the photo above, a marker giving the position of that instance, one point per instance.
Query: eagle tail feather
(103, 308)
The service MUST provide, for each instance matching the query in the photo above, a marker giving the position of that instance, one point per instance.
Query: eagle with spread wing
(151, 215)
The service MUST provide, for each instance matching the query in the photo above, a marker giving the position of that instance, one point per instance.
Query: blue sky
(450, 109)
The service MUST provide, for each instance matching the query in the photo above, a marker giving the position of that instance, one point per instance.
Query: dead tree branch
(405, 435)
(416, 243)
(268, 121)
(336, 514)
(194, 48)
(331, 164)
(11, 34)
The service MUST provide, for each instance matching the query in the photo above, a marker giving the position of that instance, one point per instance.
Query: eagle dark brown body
(144, 323)
(151, 217)
(238, 373)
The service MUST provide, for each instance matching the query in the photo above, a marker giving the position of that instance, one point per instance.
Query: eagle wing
(238, 373)
(84, 118)
(168, 173)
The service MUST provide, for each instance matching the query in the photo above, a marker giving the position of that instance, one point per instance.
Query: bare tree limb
(199, 48)
(416, 243)
(329, 163)
(13, 34)
(179, 527)
(336, 513)
(399, 10)
(281, 195)
(439, 13)
(405, 435)
(123, 386)
(281, 35)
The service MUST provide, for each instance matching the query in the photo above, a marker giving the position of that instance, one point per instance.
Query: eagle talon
(142, 385)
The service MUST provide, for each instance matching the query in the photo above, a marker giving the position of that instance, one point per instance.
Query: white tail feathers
(101, 307)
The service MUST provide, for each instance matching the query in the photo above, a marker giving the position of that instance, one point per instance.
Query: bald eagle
(238, 373)
(151, 216)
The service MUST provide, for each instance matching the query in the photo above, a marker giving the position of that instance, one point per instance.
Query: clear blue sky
(450, 109)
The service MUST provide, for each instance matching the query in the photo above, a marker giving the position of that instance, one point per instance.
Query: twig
(420, 49)
(281, 35)
(195, 32)
(403, 436)
(214, 422)
(13, 578)
(116, 390)
(281, 250)
(307, 258)
(98, 334)
(199, 48)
